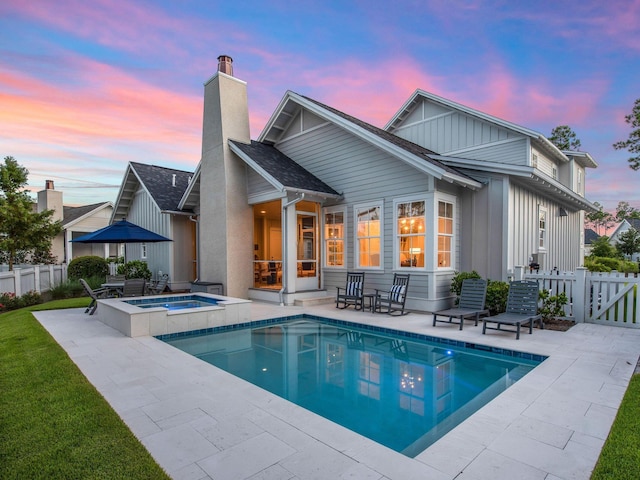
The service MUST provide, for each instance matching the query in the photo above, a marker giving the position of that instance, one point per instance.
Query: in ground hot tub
(167, 314)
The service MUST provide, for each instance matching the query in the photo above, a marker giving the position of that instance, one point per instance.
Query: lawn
(53, 423)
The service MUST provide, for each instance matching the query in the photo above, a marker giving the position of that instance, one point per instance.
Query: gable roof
(280, 170)
(411, 153)
(540, 140)
(590, 236)
(164, 185)
(73, 214)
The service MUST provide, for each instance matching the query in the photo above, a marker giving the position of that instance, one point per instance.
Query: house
(622, 227)
(76, 221)
(149, 197)
(590, 236)
(442, 188)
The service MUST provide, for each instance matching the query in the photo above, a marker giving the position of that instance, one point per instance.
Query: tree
(633, 142)
(628, 242)
(600, 219)
(602, 248)
(23, 232)
(565, 138)
(624, 211)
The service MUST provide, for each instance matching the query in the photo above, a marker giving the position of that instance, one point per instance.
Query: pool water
(403, 391)
(174, 303)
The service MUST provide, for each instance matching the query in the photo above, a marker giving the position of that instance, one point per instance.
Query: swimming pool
(401, 390)
(174, 302)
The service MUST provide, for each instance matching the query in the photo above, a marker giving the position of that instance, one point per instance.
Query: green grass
(53, 423)
(620, 457)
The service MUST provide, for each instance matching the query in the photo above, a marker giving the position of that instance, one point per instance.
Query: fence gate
(613, 299)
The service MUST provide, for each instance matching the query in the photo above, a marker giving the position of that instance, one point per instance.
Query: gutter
(284, 245)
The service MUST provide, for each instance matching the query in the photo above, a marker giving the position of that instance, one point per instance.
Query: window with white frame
(542, 228)
(411, 231)
(334, 232)
(368, 236)
(143, 250)
(445, 234)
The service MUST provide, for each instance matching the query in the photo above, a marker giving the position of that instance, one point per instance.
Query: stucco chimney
(225, 64)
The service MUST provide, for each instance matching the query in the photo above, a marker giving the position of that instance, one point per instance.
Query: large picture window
(334, 231)
(445, 234)
(410, 217)
(369, 241)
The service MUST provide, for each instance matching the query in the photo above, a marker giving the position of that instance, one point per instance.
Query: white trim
(323, 239)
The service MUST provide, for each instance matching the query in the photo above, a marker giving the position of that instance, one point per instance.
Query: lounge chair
(392, 300)
(522, 308)
(471, 305)
(94, 295)
(134, 287)
(160, 285)
(353, 292)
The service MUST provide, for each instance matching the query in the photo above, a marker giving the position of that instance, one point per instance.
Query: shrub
(629, 267)
(612, 263)
(9, 300)
(552, 305)
(89, 266)
(594, 266)
(135, 269)
(456, 281)
(497, 292)
(70, 289)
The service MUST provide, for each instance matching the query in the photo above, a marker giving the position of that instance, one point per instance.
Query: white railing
(594, 297)
(39, 278)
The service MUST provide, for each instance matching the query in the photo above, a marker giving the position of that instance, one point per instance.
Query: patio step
(308, 302)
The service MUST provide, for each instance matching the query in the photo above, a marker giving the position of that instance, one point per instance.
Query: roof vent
(173, 180)
(225, 64)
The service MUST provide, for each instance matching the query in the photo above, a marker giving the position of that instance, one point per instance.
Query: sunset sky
(86, 87)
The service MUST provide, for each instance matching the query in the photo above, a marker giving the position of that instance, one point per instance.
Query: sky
(86, 87)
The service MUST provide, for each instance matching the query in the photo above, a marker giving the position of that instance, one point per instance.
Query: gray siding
(514, 152)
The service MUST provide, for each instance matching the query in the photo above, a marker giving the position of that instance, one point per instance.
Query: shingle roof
(410, 147)
(70, 214)
(159, 183)
(590, 236)
(282, 168)
(634, 222)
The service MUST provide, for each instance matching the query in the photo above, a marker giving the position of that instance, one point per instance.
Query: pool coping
(551, 424)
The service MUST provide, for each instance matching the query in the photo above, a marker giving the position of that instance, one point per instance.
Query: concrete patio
(200, 422)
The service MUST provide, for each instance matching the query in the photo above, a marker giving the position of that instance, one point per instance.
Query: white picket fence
(594, 297)
(39, 278)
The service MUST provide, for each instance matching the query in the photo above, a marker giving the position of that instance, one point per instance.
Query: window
(554, 172)
(334, 246)
(143, 250)
(445, 234)
(369, 375)
(369, 241)
(579, 187)
(534, 160)
(542, 228)
(411, 233)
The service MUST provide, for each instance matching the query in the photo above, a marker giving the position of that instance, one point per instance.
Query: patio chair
(94, 294)
(522, 308)
(115, 278)
(471, 304)
(134, 287)
(160, 285)
(352, 293)
(392, 300)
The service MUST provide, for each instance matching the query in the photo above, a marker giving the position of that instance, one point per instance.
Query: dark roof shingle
(159, 182)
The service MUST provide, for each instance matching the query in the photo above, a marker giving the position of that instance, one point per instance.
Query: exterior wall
(366, 175)
(226, 219)
(91, 223)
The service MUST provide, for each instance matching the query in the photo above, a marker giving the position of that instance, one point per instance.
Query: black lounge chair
(353, 292)
(471, 305)
(392, 300)
(522, 308)
(94, 295)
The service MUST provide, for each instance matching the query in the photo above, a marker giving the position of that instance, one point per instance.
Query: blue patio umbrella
(122, 232)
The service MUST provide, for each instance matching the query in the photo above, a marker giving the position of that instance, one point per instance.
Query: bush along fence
(37, 278)
(608, 298)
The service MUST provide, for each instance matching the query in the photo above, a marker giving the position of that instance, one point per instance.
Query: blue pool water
(174, 303)
(401, 390)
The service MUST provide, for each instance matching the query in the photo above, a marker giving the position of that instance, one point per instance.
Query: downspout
(284, 245)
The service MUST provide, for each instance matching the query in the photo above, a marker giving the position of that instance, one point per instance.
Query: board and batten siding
(564, 246)
(366, 175)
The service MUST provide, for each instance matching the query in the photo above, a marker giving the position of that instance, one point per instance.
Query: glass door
(307, 251)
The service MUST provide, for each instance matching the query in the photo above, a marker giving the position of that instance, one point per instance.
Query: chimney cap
(225, 64)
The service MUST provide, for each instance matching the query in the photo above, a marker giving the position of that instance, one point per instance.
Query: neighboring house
(76, 221)
(622, 227)
(443, 188)
(590, 236)
(149, 197)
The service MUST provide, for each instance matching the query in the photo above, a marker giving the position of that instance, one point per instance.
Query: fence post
(519, 272)
(580, 296)
(17, 281)
(36, 278)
